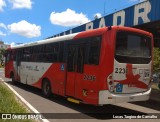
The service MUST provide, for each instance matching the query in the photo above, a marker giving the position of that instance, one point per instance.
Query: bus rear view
(132, 68)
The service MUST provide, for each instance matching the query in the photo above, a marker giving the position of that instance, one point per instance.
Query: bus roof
(83, 34)
(45, 41)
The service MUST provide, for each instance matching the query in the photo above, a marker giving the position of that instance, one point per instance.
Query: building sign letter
(89, 26)
(102, 23)
(141, 11)
(119, 18)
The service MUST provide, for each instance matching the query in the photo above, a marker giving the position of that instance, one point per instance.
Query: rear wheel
(46, 88)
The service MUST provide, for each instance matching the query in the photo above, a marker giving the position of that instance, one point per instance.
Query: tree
(156, 60)
(2, 51)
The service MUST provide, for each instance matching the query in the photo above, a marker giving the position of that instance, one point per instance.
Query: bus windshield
(132, 48)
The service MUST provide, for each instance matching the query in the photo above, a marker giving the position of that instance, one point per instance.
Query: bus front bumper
(105, 97)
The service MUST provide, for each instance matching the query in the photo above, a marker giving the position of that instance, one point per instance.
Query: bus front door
(75, 67)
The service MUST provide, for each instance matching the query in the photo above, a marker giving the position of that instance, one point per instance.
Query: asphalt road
(58, 108)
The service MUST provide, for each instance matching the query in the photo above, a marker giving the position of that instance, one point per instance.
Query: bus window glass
(61, 51)
(71, 58)
(81, 58)
(132, 48)
(49, 48)
(27, 54)
(94, 51)
(7, 57)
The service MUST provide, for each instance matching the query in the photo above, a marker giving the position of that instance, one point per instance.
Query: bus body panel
(131, 78)
(84, 85)
(90, 86)
(31, 72)
(106, 97)
(8, 69)
(56, 75)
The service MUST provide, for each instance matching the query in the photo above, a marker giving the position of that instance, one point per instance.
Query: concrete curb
(27, 104)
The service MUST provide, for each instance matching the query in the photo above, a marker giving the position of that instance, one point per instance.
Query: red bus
(101, 66)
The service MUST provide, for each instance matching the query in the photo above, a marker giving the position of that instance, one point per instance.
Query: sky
(23, 21)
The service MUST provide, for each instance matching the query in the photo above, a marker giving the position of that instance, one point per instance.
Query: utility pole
(104, 7)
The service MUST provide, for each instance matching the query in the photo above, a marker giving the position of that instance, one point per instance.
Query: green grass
(10, 104)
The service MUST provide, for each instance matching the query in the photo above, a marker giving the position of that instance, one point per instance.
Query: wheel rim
(46, 88)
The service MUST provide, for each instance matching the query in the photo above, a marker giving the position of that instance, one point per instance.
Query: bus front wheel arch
(46, 87)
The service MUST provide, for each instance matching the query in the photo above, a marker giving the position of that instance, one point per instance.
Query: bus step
(73, 100)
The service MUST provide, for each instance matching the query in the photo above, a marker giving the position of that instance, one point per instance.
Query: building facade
(3, 46)
(145, 16)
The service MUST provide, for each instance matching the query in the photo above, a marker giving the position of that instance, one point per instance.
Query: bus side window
(55, 52)
(36, 53)
(14, 53)
(27, 54)
(52, 52)
(11, 55)
(49, 48)
(71, 61)
(81, 58)
(94, 51)
(61, 51)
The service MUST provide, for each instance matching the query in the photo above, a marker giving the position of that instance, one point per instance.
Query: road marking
(23, 100)
(137, 108)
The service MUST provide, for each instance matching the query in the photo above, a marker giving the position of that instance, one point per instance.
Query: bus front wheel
(46, 88)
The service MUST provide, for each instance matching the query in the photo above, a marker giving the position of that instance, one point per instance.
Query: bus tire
(159, 85)
(13, 78)
(46, 88)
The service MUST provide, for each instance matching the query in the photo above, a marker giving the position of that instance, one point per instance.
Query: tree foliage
(156, 61)
(2, 51)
